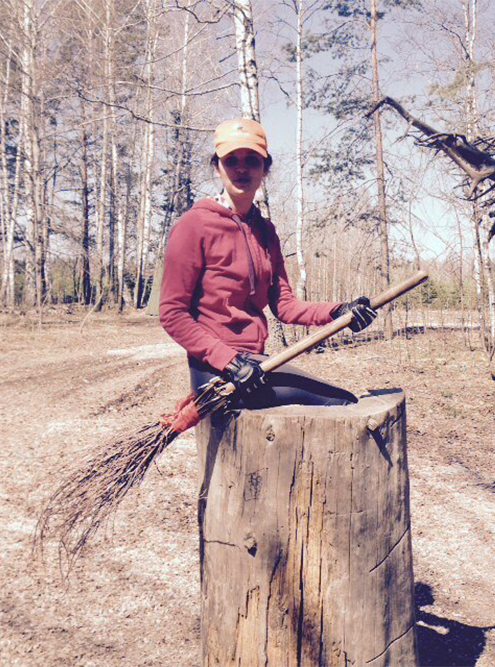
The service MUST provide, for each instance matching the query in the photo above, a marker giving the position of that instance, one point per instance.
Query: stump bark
(305, 537)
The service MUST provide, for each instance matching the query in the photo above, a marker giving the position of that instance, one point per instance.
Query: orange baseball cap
(240, 133)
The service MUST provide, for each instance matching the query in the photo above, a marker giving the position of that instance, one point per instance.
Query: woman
(223, 265)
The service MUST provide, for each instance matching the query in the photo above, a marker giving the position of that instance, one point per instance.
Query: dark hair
(268, 161)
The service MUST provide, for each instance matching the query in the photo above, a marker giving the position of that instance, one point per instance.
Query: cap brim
(230, 146)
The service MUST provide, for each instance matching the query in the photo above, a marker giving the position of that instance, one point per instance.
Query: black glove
(245, 373)
(362, 311)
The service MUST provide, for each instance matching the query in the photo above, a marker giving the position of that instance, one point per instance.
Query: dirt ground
(133, 599)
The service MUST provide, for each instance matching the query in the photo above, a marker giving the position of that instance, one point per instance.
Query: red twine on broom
(185, 416)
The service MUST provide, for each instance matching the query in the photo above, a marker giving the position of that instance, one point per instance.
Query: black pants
(285, 386)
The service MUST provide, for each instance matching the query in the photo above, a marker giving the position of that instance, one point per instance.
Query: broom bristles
(89, 496)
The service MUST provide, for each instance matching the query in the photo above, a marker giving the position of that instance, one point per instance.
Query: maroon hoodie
(219, 275)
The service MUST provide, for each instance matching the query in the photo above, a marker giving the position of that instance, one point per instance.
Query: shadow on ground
(346, 339)
(442, 642)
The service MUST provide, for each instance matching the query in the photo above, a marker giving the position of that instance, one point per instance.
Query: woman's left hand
(362, 311)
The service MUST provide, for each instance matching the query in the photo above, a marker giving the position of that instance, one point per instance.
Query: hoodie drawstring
(252, 278)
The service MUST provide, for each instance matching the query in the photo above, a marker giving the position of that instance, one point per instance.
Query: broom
(86, 499)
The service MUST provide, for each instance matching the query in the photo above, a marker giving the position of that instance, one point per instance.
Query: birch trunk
(246, 58)
(13, 218)
(248, 74)
(100, 214)
(301, 284)
(7, 251)
(41, 190)
(7, 287)
(85, 276)
(122, 242)
(485, 287)
(114, 277)
(179, 196)
(120, 210)
(490, 283)
(34, 186)
(102, 194)
(27, 148)
(114, 220)
(147, 160)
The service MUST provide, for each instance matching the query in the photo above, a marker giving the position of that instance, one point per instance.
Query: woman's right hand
(245, 373)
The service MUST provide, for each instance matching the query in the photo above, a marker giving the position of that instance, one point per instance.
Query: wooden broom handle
(342, 322)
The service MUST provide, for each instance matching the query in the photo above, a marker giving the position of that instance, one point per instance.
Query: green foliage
(403, 4)
(428, 293)
(443, 294)
(334, 86)
(456, 89)
(63, 282)
(359, 8)
(345, 94)
(350, 9)
(20, 281)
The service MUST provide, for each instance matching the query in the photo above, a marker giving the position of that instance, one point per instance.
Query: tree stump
(305, 537)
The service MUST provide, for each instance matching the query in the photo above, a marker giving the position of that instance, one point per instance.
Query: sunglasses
(252, 161)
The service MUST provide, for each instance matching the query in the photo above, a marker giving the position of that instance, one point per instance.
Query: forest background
(107, 109)
(107, 112)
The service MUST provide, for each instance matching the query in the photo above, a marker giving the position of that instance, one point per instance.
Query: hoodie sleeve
(183, 266)
(284, 305)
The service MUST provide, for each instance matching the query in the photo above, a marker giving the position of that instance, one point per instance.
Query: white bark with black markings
(245, 45)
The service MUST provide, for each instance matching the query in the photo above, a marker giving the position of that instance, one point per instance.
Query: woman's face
(241, 172)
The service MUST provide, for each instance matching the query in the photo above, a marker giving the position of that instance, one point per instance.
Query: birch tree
(36, 84)
(485, 285)
(9, 185)
(85, 274)
(242, 13)
(147, 156)
(31, 292)
(107, 39)
(320, 41)
(179, 196)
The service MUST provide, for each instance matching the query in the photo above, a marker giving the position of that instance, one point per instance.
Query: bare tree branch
(139, 117)
(477, 165)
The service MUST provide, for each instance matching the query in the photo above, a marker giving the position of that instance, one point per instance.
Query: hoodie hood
(215, 207)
